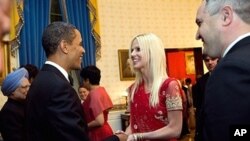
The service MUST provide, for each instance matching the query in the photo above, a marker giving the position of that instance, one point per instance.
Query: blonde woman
(155, 99)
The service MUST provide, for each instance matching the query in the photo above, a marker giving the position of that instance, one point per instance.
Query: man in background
(12, 116)
(198, 92)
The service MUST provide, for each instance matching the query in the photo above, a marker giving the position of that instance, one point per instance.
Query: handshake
(122, 136)
(118, 136)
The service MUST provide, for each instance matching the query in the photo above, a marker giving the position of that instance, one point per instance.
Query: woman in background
(97, 105)
(32, 70)
(155, 99)
(83, 93)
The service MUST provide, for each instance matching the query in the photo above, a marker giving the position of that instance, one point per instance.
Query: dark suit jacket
(54, 110)
(198, 97)
(112, 138)
(199, 89)
(227, 94)
(12, 121)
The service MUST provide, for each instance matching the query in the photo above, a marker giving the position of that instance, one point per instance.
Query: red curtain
(176, 65)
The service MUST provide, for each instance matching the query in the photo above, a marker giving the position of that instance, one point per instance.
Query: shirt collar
(62, 70)
(234, 42)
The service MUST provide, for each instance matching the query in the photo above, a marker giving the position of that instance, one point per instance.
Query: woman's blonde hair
(152, 49)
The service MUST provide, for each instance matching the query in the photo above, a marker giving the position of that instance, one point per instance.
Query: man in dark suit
(198, 93)
(54, 110)
(224, 28)
(12, 115)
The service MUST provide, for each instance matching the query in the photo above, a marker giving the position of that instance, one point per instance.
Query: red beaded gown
(145, 118)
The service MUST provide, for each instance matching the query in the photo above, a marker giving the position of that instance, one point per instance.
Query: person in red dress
(97, 105)
(155, 102)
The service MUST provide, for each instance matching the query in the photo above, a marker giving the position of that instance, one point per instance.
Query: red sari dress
(98, 101)
(144, 118)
